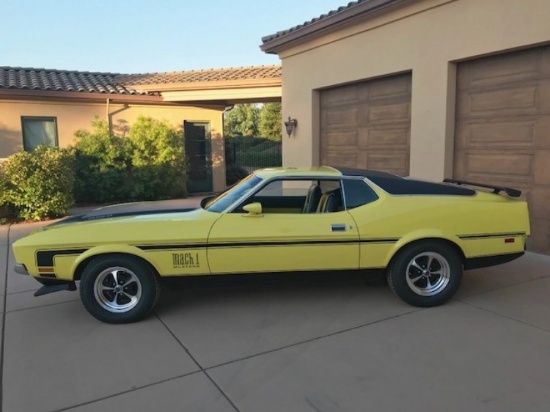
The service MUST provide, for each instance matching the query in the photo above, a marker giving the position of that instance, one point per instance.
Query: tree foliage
(251, 120)
(271, 121)
(242, 120)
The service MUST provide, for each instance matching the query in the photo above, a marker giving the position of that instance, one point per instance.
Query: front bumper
(49, 285)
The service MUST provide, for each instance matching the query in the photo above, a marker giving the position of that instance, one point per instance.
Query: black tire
(118, 289)
(426, 273)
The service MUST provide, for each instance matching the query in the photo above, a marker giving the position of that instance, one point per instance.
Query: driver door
(285, 239)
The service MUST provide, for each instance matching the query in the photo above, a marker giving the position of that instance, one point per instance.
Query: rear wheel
(426, 273)
(118, 289)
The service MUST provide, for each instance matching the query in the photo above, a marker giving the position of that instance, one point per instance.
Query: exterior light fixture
(290, 125)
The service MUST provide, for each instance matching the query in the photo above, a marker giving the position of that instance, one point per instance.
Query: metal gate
(246, 154)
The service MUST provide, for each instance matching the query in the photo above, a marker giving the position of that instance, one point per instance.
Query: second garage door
(503, 129)
(367, 125)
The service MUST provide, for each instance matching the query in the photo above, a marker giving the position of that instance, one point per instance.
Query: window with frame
(358, 193)
(298, 196)
(37, 130)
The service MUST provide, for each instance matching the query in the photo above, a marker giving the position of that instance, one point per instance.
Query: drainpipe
(107, 115)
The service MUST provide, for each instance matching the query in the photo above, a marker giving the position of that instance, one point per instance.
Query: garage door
(503, 129)
(367, 125)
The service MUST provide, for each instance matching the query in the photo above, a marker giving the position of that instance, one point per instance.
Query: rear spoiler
(496, 189)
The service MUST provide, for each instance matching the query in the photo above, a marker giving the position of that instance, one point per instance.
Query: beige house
(428, 88)
(50, 105)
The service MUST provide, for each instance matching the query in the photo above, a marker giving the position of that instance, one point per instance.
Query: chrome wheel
(117, 289)
(428, 273)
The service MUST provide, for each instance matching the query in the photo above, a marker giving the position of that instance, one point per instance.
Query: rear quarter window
(358, 193)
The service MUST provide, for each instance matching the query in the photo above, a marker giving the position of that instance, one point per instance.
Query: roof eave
(346, 17)
(210, 85)
(9, 93)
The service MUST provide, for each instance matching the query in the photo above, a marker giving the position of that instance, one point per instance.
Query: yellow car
(422, 234)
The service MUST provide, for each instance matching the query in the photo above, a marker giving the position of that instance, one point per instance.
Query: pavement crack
(503, 316)
(202, 369)
(136, 388)
(317, 338)
(503, 287)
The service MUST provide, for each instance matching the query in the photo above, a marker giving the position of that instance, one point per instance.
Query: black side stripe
(45, 257)
(491, 235)
(171, 247)
(381, 240)
(261, 244)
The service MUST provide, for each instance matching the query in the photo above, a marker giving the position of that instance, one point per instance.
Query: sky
(145, 36)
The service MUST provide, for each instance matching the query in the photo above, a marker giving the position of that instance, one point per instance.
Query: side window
(283, 196)
(38, 130)
(298, 196)
(285, 188)
(358, 193)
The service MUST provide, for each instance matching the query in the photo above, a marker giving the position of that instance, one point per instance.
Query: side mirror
(253, 209)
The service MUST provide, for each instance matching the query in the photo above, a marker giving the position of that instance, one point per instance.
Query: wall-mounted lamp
(290, 125)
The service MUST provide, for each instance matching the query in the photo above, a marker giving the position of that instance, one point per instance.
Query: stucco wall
(427, 37)
(74, 116)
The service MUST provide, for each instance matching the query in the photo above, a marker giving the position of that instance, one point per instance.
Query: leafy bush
(39, 184)
(4, 212)
(102, 163)
(149, 164)
(158, 160)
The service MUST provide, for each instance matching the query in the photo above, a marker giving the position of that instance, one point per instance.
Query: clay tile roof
(62, 80)
(209, 75)
(113, 83)
(333, 18)
(325, 16)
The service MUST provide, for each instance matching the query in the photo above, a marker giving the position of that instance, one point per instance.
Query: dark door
(198, 149)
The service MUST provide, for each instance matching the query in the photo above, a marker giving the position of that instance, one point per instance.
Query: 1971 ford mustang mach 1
(422, 234)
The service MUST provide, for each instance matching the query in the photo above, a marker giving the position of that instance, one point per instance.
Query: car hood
(132, 209)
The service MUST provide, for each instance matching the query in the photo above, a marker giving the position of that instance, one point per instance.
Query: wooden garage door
(503, 129)
(367, 125)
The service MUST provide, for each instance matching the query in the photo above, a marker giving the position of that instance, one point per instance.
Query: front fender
(97, 251)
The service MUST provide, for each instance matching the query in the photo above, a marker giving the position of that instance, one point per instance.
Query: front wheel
(118, 289)
(425, 274)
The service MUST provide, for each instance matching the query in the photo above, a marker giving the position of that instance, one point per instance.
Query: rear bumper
(486, 261)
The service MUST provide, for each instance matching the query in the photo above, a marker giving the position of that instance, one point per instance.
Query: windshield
(227, 198)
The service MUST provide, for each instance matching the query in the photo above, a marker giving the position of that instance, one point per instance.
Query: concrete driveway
(282, 343)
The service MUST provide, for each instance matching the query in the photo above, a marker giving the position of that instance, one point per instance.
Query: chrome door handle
(338, 227)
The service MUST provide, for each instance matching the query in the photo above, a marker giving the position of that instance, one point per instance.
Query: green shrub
(39, 184)
(4, 211)
(158, 160)
(102, 163)
(149, 164)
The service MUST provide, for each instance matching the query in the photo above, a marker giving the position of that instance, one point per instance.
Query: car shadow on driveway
(180, 292)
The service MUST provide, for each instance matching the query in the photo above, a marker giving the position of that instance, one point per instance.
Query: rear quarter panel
(478, 224)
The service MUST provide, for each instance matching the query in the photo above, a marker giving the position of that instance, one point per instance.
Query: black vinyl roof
(397, 185)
